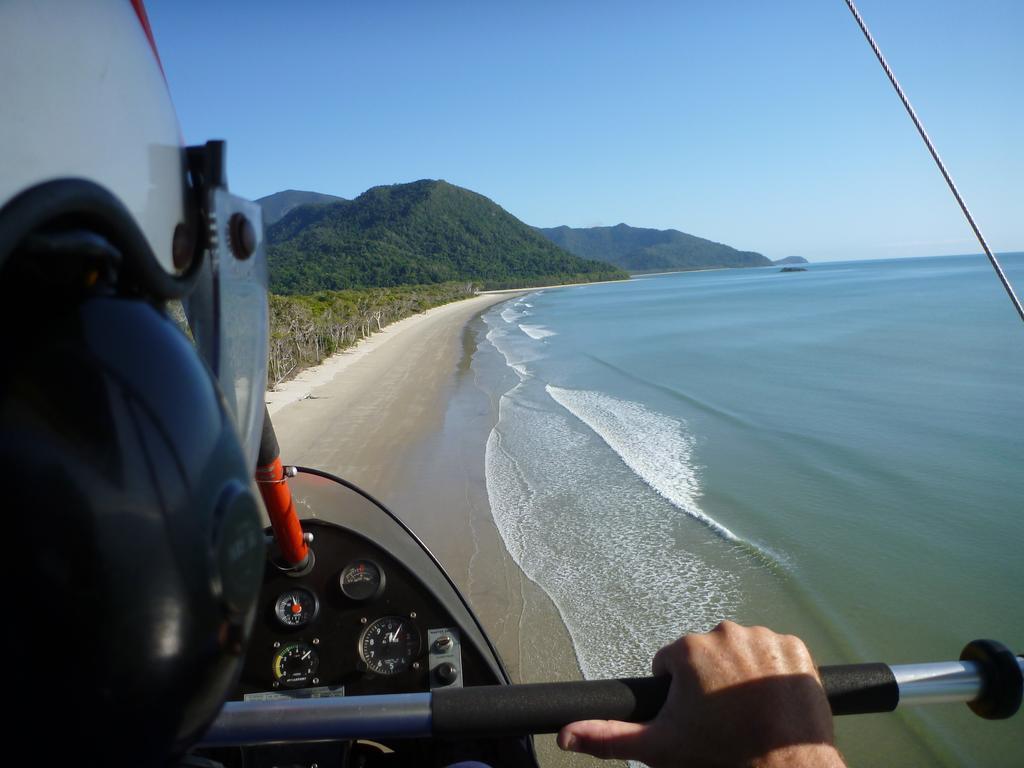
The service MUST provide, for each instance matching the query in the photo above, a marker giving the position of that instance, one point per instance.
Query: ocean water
(837, 453)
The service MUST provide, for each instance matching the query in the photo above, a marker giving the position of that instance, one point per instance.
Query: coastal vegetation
(636, 249)
(306, 329)
(421, 233)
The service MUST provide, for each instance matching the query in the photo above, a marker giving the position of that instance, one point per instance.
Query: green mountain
(650, 250)
(791, 260)
(277, 205)
(419, 233)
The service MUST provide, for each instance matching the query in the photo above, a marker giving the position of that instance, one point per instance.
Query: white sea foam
(498, 337)
(509, 315)
(536, 331)
(656, 447)
(597, 541)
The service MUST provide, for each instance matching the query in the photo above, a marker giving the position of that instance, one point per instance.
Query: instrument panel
(358, 622)
(374, 614)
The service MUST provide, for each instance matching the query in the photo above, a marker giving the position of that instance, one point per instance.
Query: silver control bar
(939, 683)
(412, 715)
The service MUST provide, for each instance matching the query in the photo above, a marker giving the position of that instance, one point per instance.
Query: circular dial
(389, 645)
(362, 580)
(296, 607)
(295, 665)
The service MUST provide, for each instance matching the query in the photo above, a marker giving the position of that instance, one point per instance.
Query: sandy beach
(400, 416)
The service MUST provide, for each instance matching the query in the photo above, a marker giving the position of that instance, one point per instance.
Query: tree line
(306, 329)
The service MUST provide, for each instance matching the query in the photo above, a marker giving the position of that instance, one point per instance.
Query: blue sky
(767, 126)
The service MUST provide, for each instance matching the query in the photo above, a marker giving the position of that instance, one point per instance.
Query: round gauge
(362, 580)
(296, 608)
(295, 665)
(389, 645)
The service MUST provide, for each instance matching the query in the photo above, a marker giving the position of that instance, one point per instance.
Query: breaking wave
(657, 448)
(510, 315)
(537, 332)
(597, 542)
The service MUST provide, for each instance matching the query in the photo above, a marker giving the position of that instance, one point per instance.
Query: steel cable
(938, 160)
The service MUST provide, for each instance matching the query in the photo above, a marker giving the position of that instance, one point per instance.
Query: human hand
(739, 696)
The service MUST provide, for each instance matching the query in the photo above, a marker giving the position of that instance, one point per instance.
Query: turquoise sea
(837, 453)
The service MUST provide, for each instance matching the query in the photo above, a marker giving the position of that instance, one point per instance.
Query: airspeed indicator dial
(389, 645)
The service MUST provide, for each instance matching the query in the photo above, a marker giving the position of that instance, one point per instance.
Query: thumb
(606, 739)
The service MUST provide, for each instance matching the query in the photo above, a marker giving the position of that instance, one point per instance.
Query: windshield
(789, 392)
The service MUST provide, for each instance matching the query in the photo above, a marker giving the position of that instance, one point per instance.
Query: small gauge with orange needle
(296, 608)
(362, 580)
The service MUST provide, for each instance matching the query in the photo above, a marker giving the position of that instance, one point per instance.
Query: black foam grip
(269, 449)
(1002, 682)
(858, 689)
(516, 710)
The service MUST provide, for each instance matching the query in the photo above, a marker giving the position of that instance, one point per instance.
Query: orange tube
(277, 497)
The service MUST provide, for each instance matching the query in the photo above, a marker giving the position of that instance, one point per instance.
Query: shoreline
(510, 291)
(301, 386)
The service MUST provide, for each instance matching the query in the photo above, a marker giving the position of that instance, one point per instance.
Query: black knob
(1003, 682)
(241, 236)
(447, 673)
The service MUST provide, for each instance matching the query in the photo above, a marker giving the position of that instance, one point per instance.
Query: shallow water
(836, 453)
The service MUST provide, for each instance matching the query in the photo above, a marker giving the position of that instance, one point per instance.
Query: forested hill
(278, 205)
(419, 233)
(650, 250)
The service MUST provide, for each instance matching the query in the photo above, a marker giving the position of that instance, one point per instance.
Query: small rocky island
(793, 269)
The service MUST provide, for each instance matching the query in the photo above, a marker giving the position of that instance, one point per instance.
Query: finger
(606, 739)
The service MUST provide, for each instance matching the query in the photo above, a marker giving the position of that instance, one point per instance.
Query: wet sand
(401, 416)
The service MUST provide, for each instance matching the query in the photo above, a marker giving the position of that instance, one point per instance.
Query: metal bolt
(415, 665)
(316, 641)
(412, 614)
(362, 620)
(242, 236)
(316, 680)
(277, 684)
(291, 471)
(183, 244)
(277, 644)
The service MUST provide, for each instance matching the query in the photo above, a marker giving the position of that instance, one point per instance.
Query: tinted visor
(228, 311)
